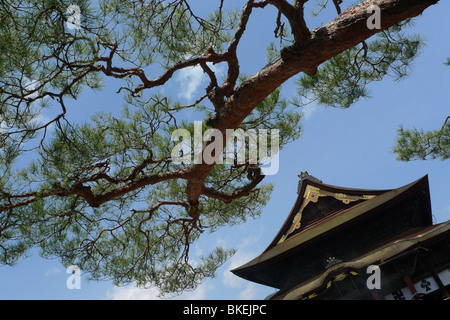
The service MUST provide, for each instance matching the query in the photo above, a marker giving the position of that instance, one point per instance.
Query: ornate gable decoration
(312, 195)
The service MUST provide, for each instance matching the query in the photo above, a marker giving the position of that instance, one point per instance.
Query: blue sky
(350, 148)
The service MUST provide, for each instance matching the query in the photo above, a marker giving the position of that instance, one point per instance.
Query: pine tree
(417, 144)
(106, 195)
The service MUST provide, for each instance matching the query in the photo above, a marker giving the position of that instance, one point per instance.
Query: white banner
(425, 286)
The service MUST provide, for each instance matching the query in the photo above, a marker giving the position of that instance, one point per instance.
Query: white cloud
(309, 110)
(241, 257)
(3, 126)
(53, 271)
(135, 293)
(198, 294)
(190, 79)
(132, 293)
(228, 278)
(245, 252)
(30, 86)
(250, 292)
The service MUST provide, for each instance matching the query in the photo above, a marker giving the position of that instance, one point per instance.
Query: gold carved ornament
(312, 194)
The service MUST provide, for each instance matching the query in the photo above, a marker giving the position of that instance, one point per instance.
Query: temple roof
(318, 202)
(382, 253)
(321, 210)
